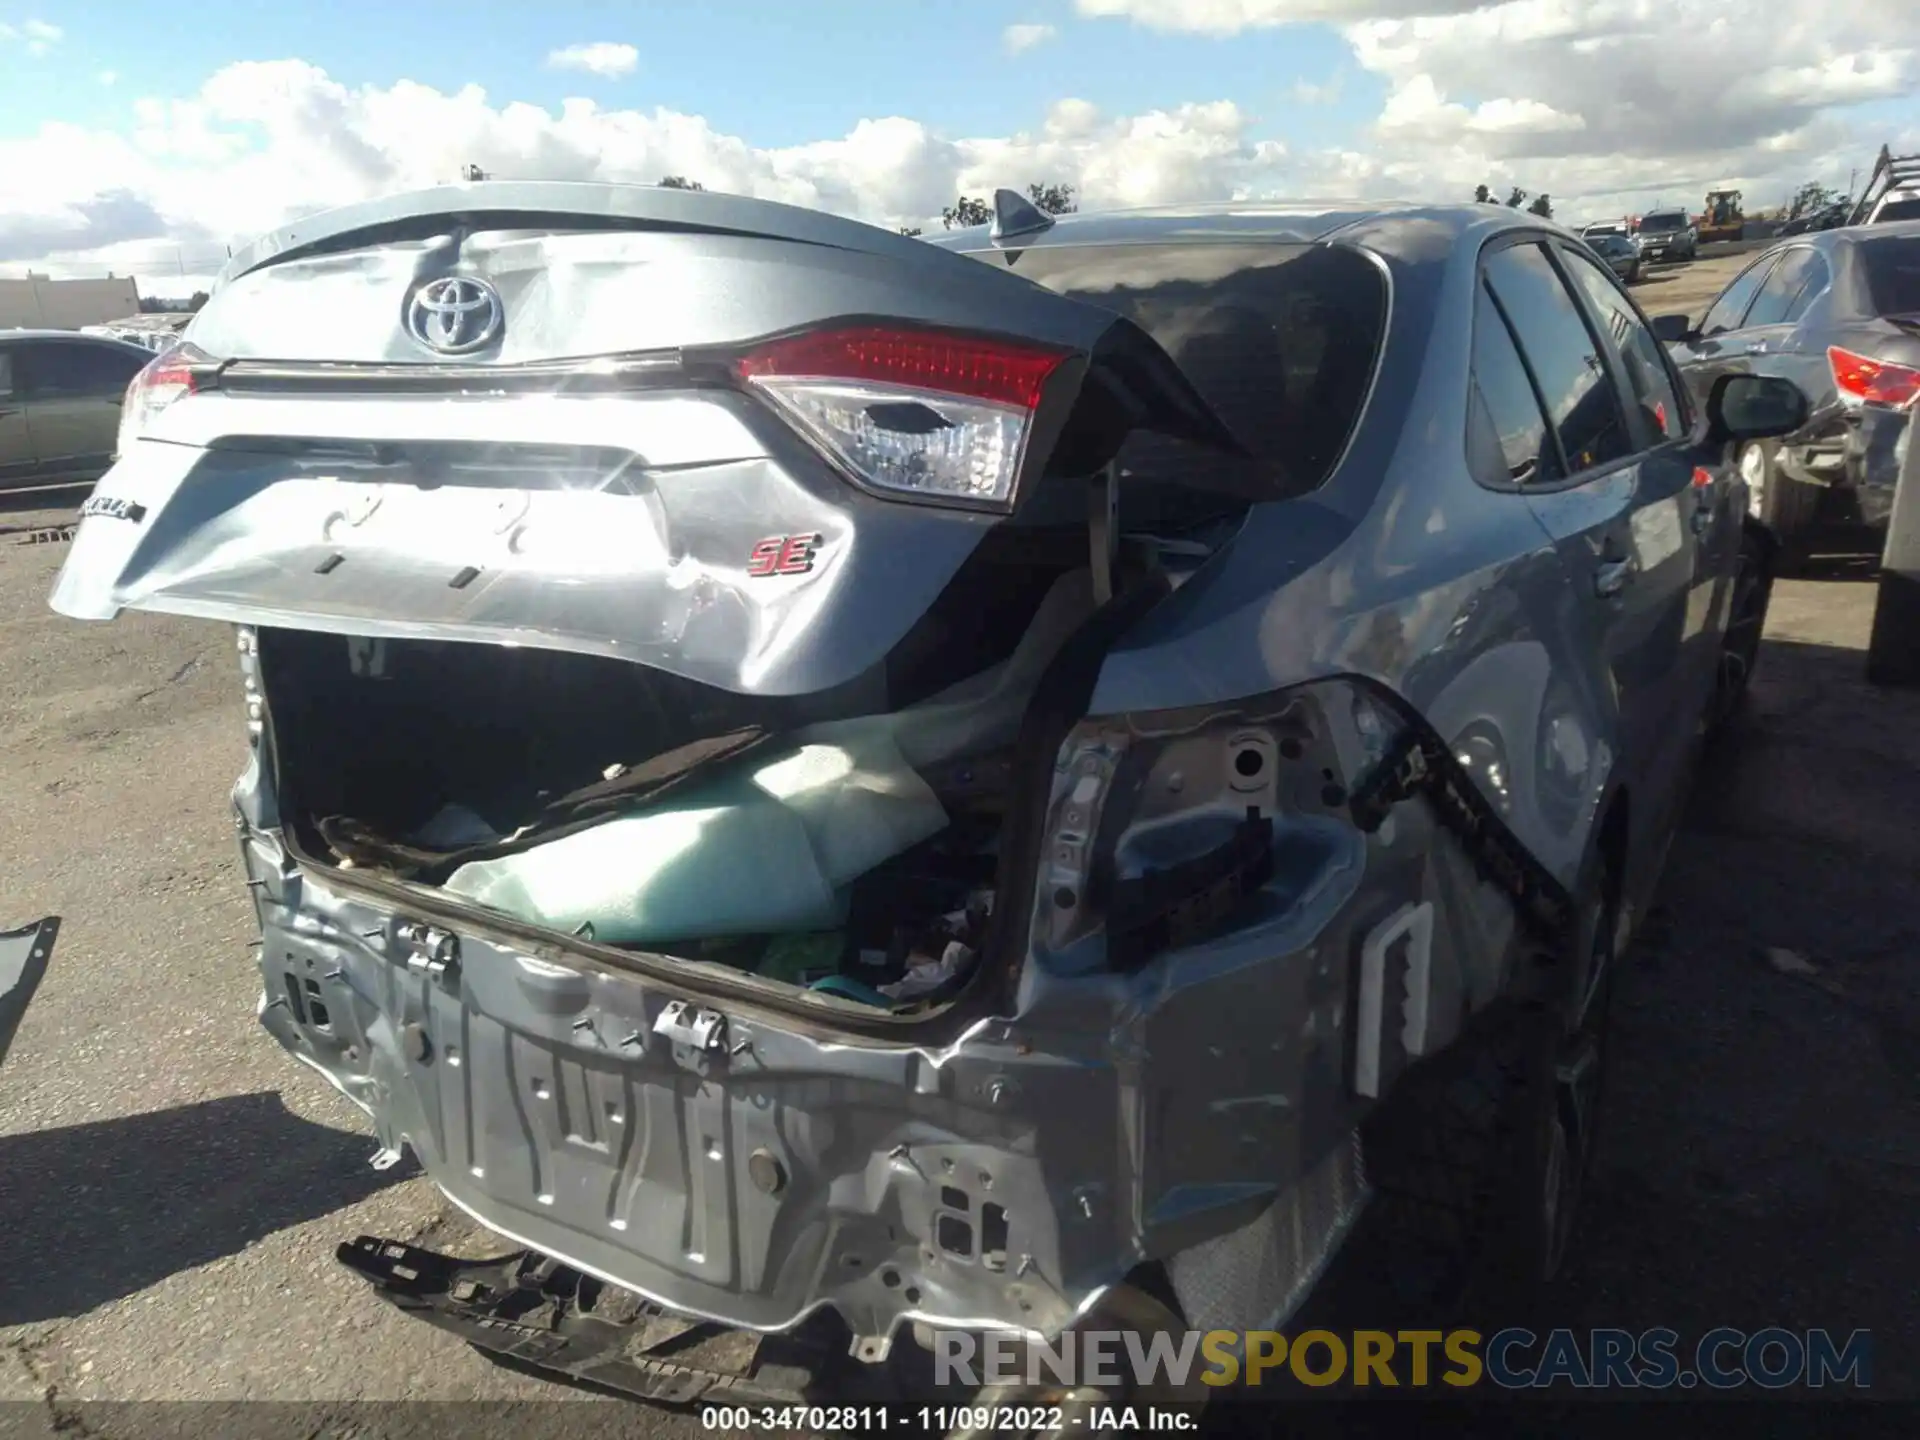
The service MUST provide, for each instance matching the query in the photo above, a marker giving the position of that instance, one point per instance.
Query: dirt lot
(171, 1187)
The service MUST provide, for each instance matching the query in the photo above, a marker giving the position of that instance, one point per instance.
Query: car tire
(1747, 605)
(1784, 505)
(1478, 1165)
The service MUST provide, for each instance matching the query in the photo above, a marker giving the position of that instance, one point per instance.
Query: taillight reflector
(168, 377)
(1001, 372)
(1876, 382)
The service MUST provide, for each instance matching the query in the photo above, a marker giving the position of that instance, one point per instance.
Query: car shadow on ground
(40, 516)
(49, 498)
(93, 1213)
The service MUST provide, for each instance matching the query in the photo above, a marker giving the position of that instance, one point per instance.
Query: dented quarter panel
(1408, 573)
(1112, 1114)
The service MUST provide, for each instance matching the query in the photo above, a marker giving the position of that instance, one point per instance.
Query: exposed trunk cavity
(846, 842)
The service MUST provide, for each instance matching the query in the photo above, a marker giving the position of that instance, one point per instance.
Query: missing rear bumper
(533, 1313)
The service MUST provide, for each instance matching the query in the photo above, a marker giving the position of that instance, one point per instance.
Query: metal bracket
(431, 951)
(701, 1032)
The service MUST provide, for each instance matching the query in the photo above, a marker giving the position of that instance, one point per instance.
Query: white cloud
(603, 58)
(1326, 92)
(36, 36)
(1599, 102)
(1021, 38)
(108, 77)
(264, 142)
(1598, 97)
(1230, 17)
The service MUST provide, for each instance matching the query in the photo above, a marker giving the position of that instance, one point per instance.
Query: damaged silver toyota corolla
(833, 786)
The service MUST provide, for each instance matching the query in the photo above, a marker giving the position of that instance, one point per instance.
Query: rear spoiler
(538, 204)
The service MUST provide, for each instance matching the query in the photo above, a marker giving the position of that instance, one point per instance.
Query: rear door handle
(1611, 578)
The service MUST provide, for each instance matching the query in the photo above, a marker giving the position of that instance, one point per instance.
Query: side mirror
(1673, 329)
(1754, 407)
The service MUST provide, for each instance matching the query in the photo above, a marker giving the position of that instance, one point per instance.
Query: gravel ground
(172, 1187)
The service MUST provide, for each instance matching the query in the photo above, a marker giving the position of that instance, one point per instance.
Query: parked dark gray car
(1617, 252)
(1666, 237)
(60, 395)
(835, 787)
(1838, 314)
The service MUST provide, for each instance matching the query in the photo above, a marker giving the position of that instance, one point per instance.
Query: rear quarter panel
(1405, 571)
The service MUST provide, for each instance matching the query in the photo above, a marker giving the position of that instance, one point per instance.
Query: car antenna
(1014, 216)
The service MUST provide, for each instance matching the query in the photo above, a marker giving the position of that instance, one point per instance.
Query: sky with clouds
(148, 149)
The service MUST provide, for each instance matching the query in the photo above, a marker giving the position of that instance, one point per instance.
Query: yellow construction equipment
(1722, 219)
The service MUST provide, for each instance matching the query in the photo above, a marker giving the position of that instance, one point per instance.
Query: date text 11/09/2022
(945, 1419)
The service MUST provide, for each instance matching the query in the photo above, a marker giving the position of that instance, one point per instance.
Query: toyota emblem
(455, 314)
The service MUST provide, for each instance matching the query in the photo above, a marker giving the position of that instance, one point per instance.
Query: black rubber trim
(1420, 763)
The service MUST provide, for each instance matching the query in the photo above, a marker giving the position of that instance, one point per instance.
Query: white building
(38, 303)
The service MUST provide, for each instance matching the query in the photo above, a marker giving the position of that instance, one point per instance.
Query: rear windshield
(1903, 209)
(1674, 221)
(1281, 339)
(1892, 269)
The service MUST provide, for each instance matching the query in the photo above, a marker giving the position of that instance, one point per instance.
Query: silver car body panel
(639, 552)
(751, 1159)
(24, 955)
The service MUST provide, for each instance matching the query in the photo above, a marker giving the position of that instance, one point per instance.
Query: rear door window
(59, 369)
(1568, 362)
(1642, 356)
(1726, 312)
(1892, 269)
(1800, 275)
(1280, 339)
(6, 372)
(1508, 442)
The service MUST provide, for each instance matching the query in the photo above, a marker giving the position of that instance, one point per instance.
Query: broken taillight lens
(914, 413)
(168, 377)
(1875, 382)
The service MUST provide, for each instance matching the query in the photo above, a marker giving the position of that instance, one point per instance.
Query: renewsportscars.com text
(1514, 1359)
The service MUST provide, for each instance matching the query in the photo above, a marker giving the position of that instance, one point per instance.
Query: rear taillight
(914, 413)
(168, 377)
(1876, 382)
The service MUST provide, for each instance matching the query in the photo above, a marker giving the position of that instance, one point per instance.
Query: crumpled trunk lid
(589, 481)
